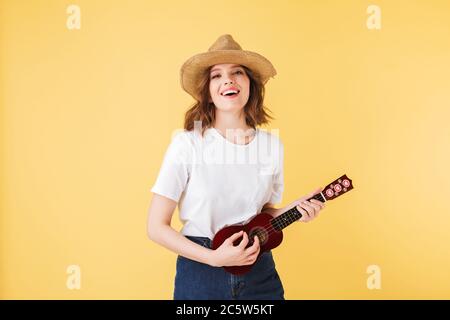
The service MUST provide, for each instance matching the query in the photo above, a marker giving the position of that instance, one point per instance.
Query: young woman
(222, 170)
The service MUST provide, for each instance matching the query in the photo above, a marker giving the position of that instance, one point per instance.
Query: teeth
(229, 92)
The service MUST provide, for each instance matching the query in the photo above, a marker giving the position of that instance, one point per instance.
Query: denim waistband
(206, 242)
(203, 241)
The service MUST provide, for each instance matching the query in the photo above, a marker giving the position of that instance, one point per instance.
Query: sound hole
(261, 233)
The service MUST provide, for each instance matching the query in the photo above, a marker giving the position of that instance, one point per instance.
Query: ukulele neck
(292, 215)
(335, 189)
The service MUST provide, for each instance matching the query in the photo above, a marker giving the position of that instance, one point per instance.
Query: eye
(239, 72)
(215, 76)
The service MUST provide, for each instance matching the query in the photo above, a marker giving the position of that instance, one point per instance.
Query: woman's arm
(160, 231)
(309, 209)
(275, 212)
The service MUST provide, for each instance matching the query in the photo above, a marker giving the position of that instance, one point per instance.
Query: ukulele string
(279, 224)
(270, 227)
(285, 222)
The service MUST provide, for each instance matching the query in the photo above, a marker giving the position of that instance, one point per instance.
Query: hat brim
(194, 68)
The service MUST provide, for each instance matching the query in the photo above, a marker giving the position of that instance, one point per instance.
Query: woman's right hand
(229, 255)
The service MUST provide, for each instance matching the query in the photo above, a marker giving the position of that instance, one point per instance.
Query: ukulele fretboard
(292, 215)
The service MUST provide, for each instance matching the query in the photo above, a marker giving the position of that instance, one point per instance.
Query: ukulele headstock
(337, 188)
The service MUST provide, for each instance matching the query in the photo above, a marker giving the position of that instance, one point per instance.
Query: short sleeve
(278, 179)
(175, 170)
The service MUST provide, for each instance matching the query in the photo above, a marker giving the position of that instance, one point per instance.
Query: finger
(317, 209)
(320, 203)
(305, 219)
(305, 214)
(254, 247)
(248, 262)
(255, 242)
(253, 254)
(235, 236)
(244, 241)
(303, 211)
(311, 211)
(314, 205)
(252, 258)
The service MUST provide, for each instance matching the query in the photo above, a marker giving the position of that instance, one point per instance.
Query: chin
(230, 107)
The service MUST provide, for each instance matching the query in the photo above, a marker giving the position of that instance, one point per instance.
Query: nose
(228, 83)
(228, 80)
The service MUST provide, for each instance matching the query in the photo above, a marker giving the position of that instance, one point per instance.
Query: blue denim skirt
(199, 281)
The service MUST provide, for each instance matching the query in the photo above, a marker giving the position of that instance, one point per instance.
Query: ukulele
(268, 229)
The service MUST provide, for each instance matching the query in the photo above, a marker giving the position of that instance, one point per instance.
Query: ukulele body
(261, 226)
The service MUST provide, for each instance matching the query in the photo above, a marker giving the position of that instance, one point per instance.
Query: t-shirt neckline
(217, 133)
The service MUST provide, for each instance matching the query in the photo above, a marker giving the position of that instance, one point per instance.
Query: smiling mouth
(230, 93)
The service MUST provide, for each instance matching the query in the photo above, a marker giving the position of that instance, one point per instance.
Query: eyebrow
(234, 66)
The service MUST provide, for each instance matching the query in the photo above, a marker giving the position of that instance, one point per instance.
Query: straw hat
(224, 50)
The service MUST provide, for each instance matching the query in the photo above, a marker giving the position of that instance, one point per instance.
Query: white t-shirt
(219, 183)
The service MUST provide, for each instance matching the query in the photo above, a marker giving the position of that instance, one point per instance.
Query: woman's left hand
(309, 209)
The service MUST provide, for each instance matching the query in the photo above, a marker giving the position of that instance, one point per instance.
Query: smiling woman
(212, 99)
(228, 86)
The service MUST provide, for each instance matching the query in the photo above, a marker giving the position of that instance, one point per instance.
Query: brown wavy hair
(204, 111)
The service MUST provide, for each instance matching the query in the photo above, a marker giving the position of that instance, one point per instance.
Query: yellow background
(86, 116)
